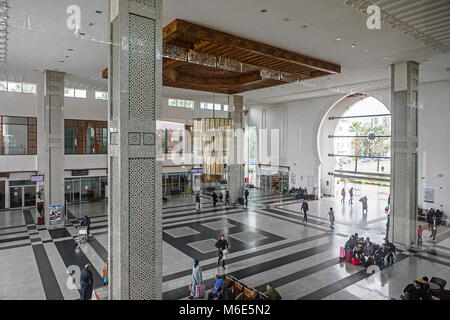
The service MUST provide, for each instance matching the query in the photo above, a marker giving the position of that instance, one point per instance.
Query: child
(419, 236)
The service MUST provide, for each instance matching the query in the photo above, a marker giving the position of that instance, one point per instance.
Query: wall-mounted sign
(37, 178)
(310, 181)
(197, 170)
(78, 173)
(55, 213)
(428, 195)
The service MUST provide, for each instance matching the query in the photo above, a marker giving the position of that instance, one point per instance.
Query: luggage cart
(82, 235)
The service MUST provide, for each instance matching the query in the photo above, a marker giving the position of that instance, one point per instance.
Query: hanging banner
(428, 195)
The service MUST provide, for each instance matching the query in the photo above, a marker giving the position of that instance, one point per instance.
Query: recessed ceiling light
(386, 58)
(448, 69)
(263, 10)
(90, 24)
(353, 45)
(365, 50)
(66, 56)
(70, 49)
(98, 12)
(285, 19)
(82, 34)
(337, 39)
(304, 27)
(61, 61)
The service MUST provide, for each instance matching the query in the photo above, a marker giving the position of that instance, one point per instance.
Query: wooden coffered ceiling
(255, 56)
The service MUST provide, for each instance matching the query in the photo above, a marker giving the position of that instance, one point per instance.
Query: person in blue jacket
(215, 291)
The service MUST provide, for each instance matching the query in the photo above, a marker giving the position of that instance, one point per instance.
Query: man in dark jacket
(221, 244)
(86, 283)
(214, 198)
(246, 193)
(197, 202)
(86, 222)
(305, 209)
(227, 198)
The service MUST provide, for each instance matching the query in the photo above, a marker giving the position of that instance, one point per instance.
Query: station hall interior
(138, 113)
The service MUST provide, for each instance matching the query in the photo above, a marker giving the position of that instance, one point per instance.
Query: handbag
(226, 254)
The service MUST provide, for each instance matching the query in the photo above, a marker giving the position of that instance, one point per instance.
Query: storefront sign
(78, 173)
(37, 178)
(197, 170)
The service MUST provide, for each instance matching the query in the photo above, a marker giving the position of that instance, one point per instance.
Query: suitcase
(348, 255)
(342, 253)
(200, 290)
(356, 262)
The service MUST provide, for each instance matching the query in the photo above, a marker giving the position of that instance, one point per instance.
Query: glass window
(19, 136)
(225, 107)
(207, 106)
(69, 92)
(217, 107)
(29, 88)
(3, 86)
(80, 94)
(14, 87)
(90, 139)
(70, 140)
(181, 103)
(101, 95)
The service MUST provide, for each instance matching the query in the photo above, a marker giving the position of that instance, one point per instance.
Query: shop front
(274, 180)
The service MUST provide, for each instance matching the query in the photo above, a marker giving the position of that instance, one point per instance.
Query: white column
(405, 87)
(135, 209)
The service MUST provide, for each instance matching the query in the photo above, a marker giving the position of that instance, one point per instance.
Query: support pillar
(403, 217)
(235, 167)
(54, 148)
(135, 209)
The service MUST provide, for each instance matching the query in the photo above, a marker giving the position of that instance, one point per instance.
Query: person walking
(305, 209)
(197, 277)
(198, 204)
(86, 222)
(433, 229)
(343, 195)
(419, 235)
(105, 273)
(363, 200)
(86, 282)
(214, 198)
(227, 198)
(246, 193)
(222, 245)
(331, 217)
(220, 197)
(350, 194)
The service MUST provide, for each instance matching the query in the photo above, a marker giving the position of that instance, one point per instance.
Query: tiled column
(53, 145)
(135, 209)
(235, 179)
(404, 79)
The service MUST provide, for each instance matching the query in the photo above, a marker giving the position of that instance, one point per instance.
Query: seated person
(379, 256)
(272, 293)
(228, 291)
(369, 249)
(218, 285)
(351, 243)
(358, 252)
(255, 296)
(220, 293)
(425, 293)
(412, 291)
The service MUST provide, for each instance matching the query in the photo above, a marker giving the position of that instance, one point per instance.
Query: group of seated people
(229, 288)
(417, 290)
(369, 253)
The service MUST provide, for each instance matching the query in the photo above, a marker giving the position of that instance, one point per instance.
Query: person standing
(221, 244)
(331, 217)
(343, 195)
(220, 197)
(227, 198)
(434, 229)
(246, 193)
(419, 235)
(350, 194)
(363, 200)
(305, 209)
(197, 277)
(86, 282)
(198, 203)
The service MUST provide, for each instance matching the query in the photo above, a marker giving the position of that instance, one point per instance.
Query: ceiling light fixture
(337, 39)
(304, 27)
(365, 50)
(285, 19)
(263, 10)
(353, 45)
(98, 12)
(70, 49)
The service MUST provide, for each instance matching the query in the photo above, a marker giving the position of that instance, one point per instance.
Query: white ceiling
(45, 41)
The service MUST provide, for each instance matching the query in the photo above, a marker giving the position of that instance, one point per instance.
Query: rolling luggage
(200, 290)
(348, 255)
(356, 262)
(342, 253)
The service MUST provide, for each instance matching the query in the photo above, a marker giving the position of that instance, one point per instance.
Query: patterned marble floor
(269, 242)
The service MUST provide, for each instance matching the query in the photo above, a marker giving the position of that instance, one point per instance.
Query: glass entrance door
(15, 197)
(29, 196)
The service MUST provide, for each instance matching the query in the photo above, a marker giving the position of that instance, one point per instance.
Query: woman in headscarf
(197, 277)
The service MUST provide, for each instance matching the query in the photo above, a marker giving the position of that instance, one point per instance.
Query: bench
(240, 290)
